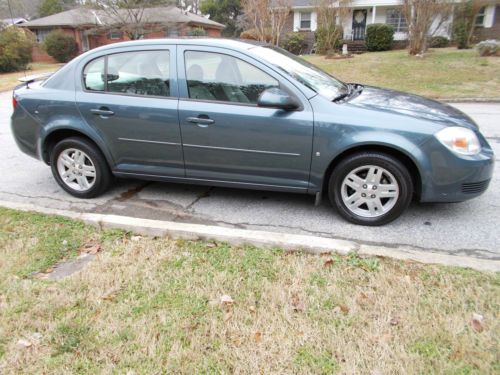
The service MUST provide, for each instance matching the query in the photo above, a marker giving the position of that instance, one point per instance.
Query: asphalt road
(469, 228)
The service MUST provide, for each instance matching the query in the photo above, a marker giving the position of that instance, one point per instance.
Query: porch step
(356, 46)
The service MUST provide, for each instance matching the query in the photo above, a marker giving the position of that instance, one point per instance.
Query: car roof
(236, 44)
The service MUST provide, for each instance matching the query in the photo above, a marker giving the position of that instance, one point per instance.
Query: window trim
(280, 86)
(481, 14)
(309, 20)
(106, 92)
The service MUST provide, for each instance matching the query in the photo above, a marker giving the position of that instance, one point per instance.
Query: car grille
(475, 187)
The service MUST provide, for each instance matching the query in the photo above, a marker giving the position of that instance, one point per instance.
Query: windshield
(304, 72)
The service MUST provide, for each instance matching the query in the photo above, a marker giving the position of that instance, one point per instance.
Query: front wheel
(79, 168)
(370, 188)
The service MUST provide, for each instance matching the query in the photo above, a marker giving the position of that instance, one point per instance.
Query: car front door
(226, 136)
(130, 97)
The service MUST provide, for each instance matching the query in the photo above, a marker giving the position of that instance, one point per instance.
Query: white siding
(489, 16)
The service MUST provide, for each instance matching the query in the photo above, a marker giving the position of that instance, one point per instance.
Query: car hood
(374, 98)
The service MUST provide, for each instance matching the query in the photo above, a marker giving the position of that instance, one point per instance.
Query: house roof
(91, 17)
(13, 21)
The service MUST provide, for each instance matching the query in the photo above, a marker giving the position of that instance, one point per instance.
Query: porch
(360, 17)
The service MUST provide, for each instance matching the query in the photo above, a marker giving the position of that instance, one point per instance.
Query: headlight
(460, 140)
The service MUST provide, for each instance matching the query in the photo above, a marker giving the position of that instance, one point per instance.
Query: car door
(131, 98)
(226, 136)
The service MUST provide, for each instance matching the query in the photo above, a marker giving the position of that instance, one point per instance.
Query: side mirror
(277, 98)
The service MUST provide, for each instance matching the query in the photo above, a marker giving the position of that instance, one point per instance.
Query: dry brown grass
(153, 305)
(445, 73)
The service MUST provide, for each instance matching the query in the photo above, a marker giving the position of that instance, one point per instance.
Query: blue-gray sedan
(228, 113)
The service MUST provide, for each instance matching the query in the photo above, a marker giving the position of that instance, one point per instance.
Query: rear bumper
(452, 178)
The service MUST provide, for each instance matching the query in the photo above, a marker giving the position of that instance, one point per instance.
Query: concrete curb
(311, 244)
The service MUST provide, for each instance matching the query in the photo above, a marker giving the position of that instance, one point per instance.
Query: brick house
(94, 28)
(303, 18)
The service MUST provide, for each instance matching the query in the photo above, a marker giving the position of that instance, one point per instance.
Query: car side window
(219, 77)
(139, 73)
(93, 75)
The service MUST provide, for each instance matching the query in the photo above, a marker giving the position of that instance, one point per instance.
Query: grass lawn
(153, 305)
(10, 80)
(442, 73)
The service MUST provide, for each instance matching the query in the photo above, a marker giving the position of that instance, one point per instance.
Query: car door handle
(103, 111)
(200, 120)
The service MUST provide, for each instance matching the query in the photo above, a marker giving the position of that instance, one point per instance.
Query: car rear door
(226, 136)
(130, 96)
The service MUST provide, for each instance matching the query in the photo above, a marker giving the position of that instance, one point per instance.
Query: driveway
(469, 228)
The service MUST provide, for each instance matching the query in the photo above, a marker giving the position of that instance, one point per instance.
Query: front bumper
(453, 178)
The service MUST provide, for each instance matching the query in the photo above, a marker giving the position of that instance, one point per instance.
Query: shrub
(252, 34)
(328, 39)
(439, 42)
(60, 46)
(488, 48)
(379, 37)
(15, 49)
(197, 32)
(460, 35)
(295, 43)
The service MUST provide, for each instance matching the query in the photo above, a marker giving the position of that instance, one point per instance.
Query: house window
(115, 35)
(305, 20)
(41, 34)
(396, 19)
(480, 17)
(172, 32)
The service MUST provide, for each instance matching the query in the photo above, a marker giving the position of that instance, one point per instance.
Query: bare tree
(129, 16)
(279, 13)
(331, 16)
(257, 16)
(419, 16)
(464, 26)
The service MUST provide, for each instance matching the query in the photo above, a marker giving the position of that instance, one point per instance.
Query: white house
(366, 12)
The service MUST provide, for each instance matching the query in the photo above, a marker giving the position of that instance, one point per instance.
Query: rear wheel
(80, 168)
(370, 188)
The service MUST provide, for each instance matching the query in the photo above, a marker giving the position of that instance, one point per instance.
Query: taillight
(14, 102)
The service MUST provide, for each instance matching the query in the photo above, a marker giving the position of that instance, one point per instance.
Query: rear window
(137, 73)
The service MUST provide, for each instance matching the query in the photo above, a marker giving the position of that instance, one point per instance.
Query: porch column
(374, 13)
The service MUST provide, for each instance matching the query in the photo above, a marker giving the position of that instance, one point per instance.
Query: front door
(359, 24)
(135, 110)
(226, 136)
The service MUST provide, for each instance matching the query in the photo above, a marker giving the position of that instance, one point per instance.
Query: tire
(76, 159)
(370, 188)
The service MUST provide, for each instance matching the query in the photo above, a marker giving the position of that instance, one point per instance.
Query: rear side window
(215, 76)
(138, 73)
(93, 75)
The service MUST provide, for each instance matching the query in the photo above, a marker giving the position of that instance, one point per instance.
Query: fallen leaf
(228, 314)
(298, 305)
(136, 238)
(477, 322)
(252, 308)
(226, 300)
(211, 245)
(257, 336)
(22, 343)
(49, 270)
(344, 309)
(90, 248)
(329, 262)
